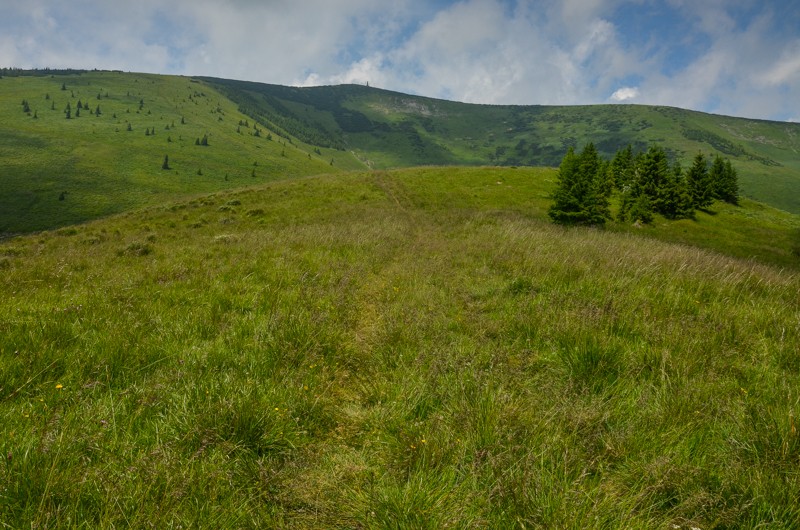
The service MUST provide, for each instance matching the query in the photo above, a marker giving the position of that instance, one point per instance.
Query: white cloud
(625, 93)
(786, 69)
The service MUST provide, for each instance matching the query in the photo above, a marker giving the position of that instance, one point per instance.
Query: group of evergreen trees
(646, 182)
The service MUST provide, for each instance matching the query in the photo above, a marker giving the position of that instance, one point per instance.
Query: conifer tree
(724, 180)
(621, 167)
(674, 199)
(165, 165)
(699, 183)
(641, 209)
(581, 196)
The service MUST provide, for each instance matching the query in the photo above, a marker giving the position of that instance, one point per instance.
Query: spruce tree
(165, 165)
(727, 189)
(641, 209)
(674, 199)
(652, 173)
(699, 183)
(580, 197)
(621, 167)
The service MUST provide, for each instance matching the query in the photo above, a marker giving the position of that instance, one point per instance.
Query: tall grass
(367, 351)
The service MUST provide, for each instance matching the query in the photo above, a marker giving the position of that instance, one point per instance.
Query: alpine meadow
(235, 305)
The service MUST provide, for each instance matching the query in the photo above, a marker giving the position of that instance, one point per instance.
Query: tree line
(646, 183)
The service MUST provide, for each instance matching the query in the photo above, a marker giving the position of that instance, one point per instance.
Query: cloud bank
(739, 58)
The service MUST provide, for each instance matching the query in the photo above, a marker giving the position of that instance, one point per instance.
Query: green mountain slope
(408, 349)
(56, 171)
(389, 129)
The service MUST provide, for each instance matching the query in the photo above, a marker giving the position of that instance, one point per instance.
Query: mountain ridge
(390, 129)
(58, 171)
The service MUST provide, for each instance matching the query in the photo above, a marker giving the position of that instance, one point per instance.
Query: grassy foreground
(392, 350)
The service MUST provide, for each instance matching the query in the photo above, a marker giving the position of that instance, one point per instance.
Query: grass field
(405, 349)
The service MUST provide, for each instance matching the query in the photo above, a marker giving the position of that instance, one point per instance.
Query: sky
(732, 57)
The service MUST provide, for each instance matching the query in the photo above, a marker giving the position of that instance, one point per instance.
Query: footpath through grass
(367, 351)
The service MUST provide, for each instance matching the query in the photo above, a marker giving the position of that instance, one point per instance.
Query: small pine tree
(204, 141)
(77, 113)
(726, 188)
(197, 141)
(183, 121)
(581, 196)
(53, 106)
(165, 165)
(80, 105)
(147, 131)
(129, 126)
(699, 183)
(63, 86)
(674, 199)
(200, 172)
(641, 210)
(97, 111)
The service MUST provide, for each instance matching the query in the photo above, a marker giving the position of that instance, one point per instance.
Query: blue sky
(735, 57)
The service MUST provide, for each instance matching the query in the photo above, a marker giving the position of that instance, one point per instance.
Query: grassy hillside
(389, 129)
(410, 349)
(57, 171)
